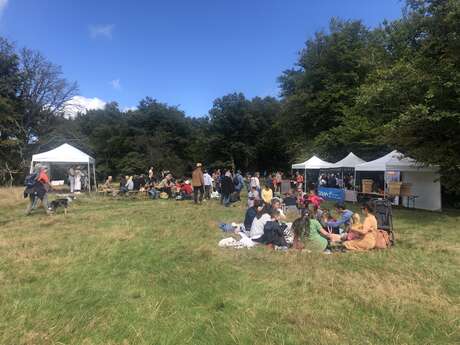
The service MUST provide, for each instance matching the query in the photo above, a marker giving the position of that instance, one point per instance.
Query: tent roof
(349, 161)
(312, 163)
(393, 161)
(63, 154)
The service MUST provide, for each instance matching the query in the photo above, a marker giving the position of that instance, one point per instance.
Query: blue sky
(184, 53)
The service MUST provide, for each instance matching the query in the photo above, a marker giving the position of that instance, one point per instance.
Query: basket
(367, 185)
(394, 188)
(406, 189)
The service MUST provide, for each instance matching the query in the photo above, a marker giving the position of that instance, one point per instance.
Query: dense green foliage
(352, 89)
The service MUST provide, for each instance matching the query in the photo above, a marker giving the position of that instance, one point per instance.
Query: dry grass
(150, 272)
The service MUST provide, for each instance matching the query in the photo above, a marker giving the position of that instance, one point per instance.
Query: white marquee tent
(312, 164)
(349, 161)
(424, 179)
(66, 154)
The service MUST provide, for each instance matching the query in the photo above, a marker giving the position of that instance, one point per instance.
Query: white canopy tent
(314, 163)
(66, 154)
(349, 161)
(424, 179)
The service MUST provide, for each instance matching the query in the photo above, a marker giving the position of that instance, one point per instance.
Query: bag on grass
(382, 239)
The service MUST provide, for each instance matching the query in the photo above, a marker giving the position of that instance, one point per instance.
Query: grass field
(150, 272)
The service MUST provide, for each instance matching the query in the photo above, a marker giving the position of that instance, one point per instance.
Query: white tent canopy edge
(65, 154)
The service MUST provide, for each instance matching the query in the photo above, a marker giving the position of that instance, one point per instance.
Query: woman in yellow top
(267, 194)
(365, 232)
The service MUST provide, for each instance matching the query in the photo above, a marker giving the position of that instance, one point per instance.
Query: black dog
(64, 202)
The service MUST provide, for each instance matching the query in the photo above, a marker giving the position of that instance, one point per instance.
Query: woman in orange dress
(366, 232)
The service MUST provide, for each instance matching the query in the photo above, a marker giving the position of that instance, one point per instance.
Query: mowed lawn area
(150, 272)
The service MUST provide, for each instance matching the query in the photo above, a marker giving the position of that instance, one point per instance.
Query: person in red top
(187, 188)
(39, 190)
(314, 199)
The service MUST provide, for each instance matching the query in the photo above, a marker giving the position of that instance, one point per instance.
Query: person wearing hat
(38, 189)
(198, 183)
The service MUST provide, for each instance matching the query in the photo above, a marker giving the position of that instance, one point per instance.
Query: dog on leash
(63, 202)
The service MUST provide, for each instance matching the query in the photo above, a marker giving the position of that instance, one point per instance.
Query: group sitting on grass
(315, 230)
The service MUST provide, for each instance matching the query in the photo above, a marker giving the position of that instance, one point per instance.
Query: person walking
(207, 185)
(198, 183)
(37, 188)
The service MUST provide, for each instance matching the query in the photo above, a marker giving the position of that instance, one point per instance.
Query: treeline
(352, 89)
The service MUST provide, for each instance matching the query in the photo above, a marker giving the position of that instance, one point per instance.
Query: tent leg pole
(94, 175)
(89, 178)
(31, 167)
(305, 180)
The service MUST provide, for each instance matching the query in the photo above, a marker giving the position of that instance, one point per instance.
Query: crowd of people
(316, 229)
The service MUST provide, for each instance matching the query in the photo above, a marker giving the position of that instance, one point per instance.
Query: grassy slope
(150, 272)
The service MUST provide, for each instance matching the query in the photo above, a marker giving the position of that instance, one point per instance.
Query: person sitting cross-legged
(365, 232)
(273, 232)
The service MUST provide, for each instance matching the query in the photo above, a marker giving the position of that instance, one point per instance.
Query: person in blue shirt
(343, 222)
(239, 183)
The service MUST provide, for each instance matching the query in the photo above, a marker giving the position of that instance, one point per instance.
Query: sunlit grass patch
(150, 272)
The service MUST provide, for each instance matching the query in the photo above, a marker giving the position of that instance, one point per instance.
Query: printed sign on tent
(334, 194)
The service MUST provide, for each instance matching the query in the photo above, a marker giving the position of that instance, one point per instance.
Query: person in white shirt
(207, 185)
(252, 196)
(129, 183)
(257, 227)
(255, 182)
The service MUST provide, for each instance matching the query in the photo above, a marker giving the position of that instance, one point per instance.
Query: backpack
(30, 180)
(382, 239)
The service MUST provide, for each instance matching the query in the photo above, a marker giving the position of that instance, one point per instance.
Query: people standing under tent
(77, 187)
(37, 186)
(332, 181)
(207, 185)
(239, 184)
(366, 231)
(71, 175)
(299, 180)
(255, 182)
(198, 183)
(322, 180)
(227, 188)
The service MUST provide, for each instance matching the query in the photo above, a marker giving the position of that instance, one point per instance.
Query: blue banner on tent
(334, 194)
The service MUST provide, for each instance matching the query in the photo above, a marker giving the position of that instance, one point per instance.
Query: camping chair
(383, 213)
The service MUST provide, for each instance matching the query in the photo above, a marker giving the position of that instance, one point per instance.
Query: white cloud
(82, 104)
(3, 4)
(116, 84)
(104, 31)
(126, 109)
